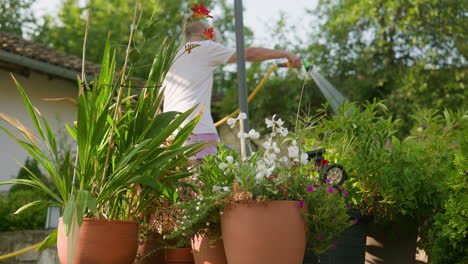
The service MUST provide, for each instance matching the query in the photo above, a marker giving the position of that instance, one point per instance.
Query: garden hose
(19, 252)
(255, 91)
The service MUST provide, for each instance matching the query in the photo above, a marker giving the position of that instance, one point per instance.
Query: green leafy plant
(120, 139)
(390, 177)
(446, 233)
(278, 171)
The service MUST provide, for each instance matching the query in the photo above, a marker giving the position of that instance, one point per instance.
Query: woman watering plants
(189, 82)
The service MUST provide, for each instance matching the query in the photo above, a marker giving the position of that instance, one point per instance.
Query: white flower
(242, 135)
(231, 122)
(223, 165)
(183, 227)
(270, 123)
(253, 134)
(207, 223)
(197, 208)
(267, 144)
(284, 159)
(226, 189)
(275, 148)
(175, 229)
(271, 157)
(283, 131)
(217, 188)
(242, 116)
(229, 159)
(279, 122)
(304, 158)
(293, 151)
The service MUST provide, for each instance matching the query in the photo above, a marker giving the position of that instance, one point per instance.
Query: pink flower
(140, 215)
(310, 188)
(327, 180)
(345, 193)
(331, 190)
(301, 204)
(355, 220)
(348, 205)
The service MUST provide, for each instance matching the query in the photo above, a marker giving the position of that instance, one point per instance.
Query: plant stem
(119, 95)
(81, 91)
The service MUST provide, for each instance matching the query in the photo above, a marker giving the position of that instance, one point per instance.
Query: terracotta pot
(101, 242)
(151, 250)
(207, 252)
(272, 232)
(179, 256)
(391, 243)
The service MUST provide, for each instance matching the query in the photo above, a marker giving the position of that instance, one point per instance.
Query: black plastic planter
(350, 246)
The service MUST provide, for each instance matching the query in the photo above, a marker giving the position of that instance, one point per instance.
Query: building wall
(37, 86)
(13, 241)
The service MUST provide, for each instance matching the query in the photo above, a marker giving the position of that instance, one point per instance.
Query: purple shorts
(207, 138)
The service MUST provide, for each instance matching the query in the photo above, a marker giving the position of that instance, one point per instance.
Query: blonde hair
(194, 27)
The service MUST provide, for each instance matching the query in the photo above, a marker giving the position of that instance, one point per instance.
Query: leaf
(29, 107)
(49, 241)
(38, 203)
(71, 100)
(68, 212)
(21, 128)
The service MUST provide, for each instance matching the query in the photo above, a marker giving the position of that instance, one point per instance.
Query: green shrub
(28, 220)
(445, 237)
(19, 195)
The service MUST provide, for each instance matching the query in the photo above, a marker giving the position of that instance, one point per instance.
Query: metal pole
(242, 84)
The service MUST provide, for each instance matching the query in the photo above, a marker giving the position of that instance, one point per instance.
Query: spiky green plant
(121, 142)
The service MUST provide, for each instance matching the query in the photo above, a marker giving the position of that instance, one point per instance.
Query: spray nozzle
(285, 64)
(307, 65)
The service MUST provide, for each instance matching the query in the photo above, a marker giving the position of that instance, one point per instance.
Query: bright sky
(259, 15)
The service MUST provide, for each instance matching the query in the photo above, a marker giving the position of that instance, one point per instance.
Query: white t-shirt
(190, 80)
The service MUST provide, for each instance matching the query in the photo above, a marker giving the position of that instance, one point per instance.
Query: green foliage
(28, 220)
(32, 166)
(390, 177)
(409, 52)
(269, 174)
(19, 195)
(446, 235)
(121, 146)
(158, 19)
(17, 16)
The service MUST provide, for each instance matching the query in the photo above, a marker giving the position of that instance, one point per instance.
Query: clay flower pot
(179, 256)
(101, 242)
(207, 252)
(151, 250)
(272, 232)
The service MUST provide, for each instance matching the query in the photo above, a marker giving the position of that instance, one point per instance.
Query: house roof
(15, 49)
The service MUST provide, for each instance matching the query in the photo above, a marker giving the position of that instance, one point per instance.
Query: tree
(409, 52)
(157, 19)
(16, 16)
